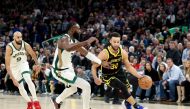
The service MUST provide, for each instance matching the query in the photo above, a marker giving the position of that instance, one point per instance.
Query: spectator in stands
(2, 57)
(136, 64)
(48, 56)
(184, 86)
(180, 48)
(162, 68)
(3, 73)
(149, 56)
(174, 53)
(157, 60)
(186, 53)
(177, 35)
(41, 55)
(172, 78)
(125, 40)
(159, 49)
(132, 51)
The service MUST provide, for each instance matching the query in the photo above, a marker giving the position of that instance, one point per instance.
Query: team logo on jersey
(18, 54)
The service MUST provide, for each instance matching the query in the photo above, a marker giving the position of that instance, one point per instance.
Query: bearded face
(115, 43)
(18, 42)
(17, 38)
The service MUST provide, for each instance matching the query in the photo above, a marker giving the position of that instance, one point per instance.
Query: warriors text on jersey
(18, 56)
(116, 61)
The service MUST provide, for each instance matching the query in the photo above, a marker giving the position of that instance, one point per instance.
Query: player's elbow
(7, 67)
(93, 68)
(68, 49)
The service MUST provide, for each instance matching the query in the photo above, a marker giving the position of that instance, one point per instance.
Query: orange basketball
(145, 82)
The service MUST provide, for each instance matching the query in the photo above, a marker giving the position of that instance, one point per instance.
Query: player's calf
(126, 105)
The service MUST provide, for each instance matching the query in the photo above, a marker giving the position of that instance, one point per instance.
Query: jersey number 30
(114, 66)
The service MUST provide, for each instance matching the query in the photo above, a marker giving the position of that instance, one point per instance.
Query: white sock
(31, 86)
(66, 93)
(23, 92)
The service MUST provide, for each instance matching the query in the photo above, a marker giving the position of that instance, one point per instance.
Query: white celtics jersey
(18, 56)
(66, 57)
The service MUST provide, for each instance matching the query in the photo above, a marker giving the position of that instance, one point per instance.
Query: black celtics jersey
(116, 62)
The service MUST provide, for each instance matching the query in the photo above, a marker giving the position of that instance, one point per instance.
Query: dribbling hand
(98, 81)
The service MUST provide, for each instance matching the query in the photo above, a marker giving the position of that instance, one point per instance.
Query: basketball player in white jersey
(18, 68)
(63, 70)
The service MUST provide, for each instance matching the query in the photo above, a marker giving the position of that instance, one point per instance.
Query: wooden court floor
(17, 102)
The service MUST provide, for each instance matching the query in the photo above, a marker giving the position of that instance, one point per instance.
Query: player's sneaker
(140, 107)
(126, 105)
(116, 102)
(30, 104)
(55, 104)
(37, 105)
(107, 99)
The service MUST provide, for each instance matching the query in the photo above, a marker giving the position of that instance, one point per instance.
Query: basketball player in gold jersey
(117, 56)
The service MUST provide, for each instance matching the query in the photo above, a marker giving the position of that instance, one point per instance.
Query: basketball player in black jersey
(116, 56)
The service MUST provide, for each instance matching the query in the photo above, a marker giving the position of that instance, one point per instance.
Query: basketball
(145, 82)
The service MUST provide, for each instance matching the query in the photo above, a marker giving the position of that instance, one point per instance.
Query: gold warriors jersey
(116, 61)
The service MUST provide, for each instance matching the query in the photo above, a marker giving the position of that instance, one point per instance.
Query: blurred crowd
(143, 24)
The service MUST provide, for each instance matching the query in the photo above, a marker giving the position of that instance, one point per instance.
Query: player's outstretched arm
(99, 60)
(97, 80)
(7, 64)
(128, 66)
(103, 57)
(63, 43)
(32, 53)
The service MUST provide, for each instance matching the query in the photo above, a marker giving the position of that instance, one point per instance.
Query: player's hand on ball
(98, 81)
(140, 76)
(145, 82)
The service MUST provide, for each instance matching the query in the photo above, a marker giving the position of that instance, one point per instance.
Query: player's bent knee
(127, 94)
(74, 89)
(125, 91)
(86, 86)
(21, 86)
(27, 78)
